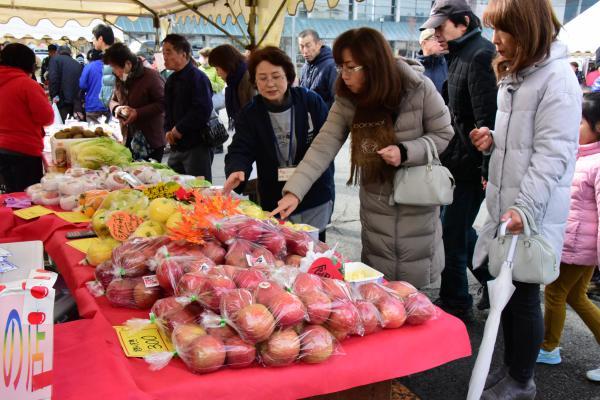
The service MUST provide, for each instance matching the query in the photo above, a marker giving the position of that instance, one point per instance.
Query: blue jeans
(459, 244)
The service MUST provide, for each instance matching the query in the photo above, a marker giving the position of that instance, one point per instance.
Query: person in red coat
(24, 111)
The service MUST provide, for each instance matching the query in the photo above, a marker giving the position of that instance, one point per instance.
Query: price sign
(121, 224)
(327, 268)
(73, 217)
(33, 212)
(140, 343)
(161, 190)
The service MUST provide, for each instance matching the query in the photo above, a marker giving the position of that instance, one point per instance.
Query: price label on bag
(166, 190)
(121, 225)
(33, 212)
(140, 343)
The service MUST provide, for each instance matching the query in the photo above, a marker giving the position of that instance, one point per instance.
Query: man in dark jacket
(432, 58)
(472, 94)
(46, 62)
(63, 74)
(318, 73)
(188, 106)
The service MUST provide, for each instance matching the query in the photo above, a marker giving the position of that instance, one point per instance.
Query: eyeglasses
(349, 70)
(267, 79)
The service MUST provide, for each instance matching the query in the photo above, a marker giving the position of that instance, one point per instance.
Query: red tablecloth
(90, 364)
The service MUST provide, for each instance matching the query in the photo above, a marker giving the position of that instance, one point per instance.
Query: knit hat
(426, 34)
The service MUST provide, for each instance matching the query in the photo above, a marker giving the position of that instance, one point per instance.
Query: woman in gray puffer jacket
(387, 106)
(532, 162)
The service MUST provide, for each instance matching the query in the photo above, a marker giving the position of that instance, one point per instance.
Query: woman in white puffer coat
(532, 162)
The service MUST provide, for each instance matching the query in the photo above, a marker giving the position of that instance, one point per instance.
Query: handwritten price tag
(33, 212)
(327, 268)
(142, 342)
(121, 225)
(161, 190)
(73, 217)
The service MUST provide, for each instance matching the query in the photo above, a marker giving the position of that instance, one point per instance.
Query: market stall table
(89, 362)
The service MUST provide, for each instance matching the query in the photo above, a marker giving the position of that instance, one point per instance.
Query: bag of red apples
(252, 230)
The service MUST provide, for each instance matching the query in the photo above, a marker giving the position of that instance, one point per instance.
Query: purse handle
(513, 244)
(432, 153)
(528, 222)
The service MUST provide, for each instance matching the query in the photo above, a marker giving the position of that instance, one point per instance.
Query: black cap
(52, 47)
(442, 9)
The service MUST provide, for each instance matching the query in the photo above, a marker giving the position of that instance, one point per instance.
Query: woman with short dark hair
(24, 111)
(387, 107)
(533, 152)
(233, 69)
(275, 130)
(137, 102)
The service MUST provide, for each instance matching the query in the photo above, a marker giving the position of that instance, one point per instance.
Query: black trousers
(196, 161)
(20, 171)
(523, 327)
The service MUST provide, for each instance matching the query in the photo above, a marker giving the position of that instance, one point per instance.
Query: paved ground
(449, 382)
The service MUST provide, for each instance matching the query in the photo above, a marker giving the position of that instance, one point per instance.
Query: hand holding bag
(534, 259)
(424, 185)
(215, 133)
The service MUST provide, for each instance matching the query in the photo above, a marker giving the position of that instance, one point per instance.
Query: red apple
(251, 232)
(239, 353)
(265, 291)
(318, 306)
(238, 252)
(184, 334)
(204, 354)
(287, 309)
(401, 288)
(336, 289)
(249, 278)
(105, 273)
(293, 260)
(120, 292)
(419, 309)
(275, 243)
(255, 323)
(212, 291)
(191, 284)
(222, 332)
(214, 251)
(233, 301)
(393, 314)
(144, 297)
(262, 256)
(168, 274)
(282, 348)
(372, 292)
(316, 344)
(345, 318)
(339, 335)
(306, 282)
(369, 316)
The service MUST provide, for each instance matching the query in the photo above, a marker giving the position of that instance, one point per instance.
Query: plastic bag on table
(245, 254)
(310, 289)
(168, 312)
(213, 250)
(126, 200)
(252, 230)
(132, 293)
(391, 308)
(170, 269)
(419, 309)
(287, 308)
(207, 287)
(133, 256)
(297, 242)
(401, 289)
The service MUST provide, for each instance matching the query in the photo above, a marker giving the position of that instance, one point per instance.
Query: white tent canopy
(17, 28)
(582, 34)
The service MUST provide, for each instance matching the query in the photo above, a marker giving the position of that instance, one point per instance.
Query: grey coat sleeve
(555, 139)
(436, 125)
(323, 149)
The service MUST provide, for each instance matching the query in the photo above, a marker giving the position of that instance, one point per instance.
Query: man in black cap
(471, 94)
(63, 74)
(46, 62)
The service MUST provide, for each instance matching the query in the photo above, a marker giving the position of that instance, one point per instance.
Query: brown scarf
(372, 130)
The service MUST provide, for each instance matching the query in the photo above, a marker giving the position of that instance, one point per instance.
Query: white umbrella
(500, 291)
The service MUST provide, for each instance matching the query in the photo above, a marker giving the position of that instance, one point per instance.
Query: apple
(345, 317)
(260, 252)
(204, 354)
(287, 309)
(239, 353)
(184, 334)
(316, 344)
(237, 252)
(369, 316)
(191, 284)
(222, 332)
(251, 232)
(401, 288)
(275, 243)
(266, 290)
(174, 220)
(105, 273)
(168, 274)
(293, 260)
(255, 323)
(101, 251)
(393, 314)
(161, 209)
(339, 335)
(233, 301)
(282, 348)
(336, 289)
(306, 282)
(148, 229)
(120, 292)
(372, 292)
(212, 291)
(99, 223)
(419, 309)
(248, 278)
(318, 306)
(144, 297)
(214, 251)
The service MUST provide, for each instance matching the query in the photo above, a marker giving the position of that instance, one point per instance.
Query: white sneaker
(594, 375)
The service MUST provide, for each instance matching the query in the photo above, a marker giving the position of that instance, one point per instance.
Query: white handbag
(424, 185)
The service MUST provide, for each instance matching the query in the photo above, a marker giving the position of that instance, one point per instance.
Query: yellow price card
(140, 343)
(82, 244)
(73, 216)
(33, 212)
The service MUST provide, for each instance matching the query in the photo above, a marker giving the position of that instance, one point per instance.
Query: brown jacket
(245, 90)
(144, 91)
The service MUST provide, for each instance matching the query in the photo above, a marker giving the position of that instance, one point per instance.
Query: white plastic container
(357, 273)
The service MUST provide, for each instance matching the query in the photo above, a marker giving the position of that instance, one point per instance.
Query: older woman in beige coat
(387, 106)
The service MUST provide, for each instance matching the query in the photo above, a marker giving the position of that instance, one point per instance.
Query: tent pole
(264, 35)
(237, 23)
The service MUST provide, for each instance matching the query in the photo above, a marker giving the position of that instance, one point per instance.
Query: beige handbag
(534, 259)
(424, 185)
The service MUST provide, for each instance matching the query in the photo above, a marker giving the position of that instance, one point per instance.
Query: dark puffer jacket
(319, 75)
(472, 92)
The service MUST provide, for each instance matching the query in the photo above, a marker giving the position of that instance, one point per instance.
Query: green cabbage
(95, 153)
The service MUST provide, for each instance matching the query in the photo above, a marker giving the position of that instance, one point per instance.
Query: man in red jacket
(24, 111)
